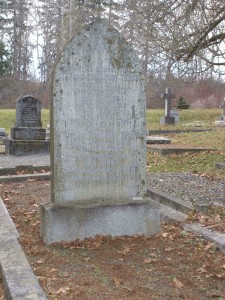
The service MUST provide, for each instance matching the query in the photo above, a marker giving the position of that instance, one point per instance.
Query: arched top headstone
(98, 119)
(28, 112)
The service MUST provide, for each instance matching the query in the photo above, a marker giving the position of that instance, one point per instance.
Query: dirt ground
(173, 264)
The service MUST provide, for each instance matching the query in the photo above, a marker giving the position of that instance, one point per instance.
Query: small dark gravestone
(28, 112)
(27, 136)
(98, 154)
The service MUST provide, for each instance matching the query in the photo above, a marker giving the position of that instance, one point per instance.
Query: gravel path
(186, 186)
(9, 161)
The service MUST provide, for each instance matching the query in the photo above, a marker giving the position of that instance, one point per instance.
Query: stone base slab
(81, 221)
(17, 276)
(28, 133)
(167, 120)
(19, 147)
(168, 149)
(157, 140)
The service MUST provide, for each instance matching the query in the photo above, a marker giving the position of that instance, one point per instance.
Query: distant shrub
(182, 104)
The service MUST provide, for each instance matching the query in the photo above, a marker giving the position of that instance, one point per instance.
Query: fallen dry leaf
(63, 291)
(169, 249)
(209, 246)
(125, 251)
(36, 223)
(150, 260)
(220, 276)
(201, 270)
(153, 254)
(177, 283)
(52, 270)
(117, 281)
(165, 234)
(40, 261)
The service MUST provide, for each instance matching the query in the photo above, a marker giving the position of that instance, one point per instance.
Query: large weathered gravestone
(27, 136)
(98, 151)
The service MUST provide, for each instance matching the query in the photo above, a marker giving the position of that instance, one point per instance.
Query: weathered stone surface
(2, 132)
(175, 113)
(169, 200)
(18, 278)
(157, 140)
(169, 149)
(18, 178)
(167, 120)
(28, 112)
(16, 273)
(23, 169)
(98, 147)
(98, 116)
(220, 165)
(85, 220)
(208, 234)
(7, 228)
(27, 136)
(28, 133)
(23, 147)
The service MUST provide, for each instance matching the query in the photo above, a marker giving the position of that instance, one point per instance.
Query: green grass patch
(45, 117)
(8, 118)
(201, 163)
(188, 118)
(212, 139)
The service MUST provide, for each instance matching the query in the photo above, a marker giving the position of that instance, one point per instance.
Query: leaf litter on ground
(173, 264)
(214, 219)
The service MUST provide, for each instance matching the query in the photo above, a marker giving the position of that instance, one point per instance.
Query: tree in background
(16, 31)
(182, 104)
(179, 42)
(4, 62)
(59, 21)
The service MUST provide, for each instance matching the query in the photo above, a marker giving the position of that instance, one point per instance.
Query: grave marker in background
(223, 110)
(28, 112)
(27, 136)
(98, 153)
(221, 122)
(167, 119)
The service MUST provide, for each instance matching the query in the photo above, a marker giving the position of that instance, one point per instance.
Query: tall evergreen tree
(4, 62)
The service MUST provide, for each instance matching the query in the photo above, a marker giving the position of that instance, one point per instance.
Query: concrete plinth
(167, 120)
(157, 140)
(81, 221)
(19, 147)
(28, 133)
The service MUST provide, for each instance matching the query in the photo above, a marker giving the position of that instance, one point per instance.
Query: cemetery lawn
(173, 264)
(188, 118)
(8, 118)
(202, 163)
